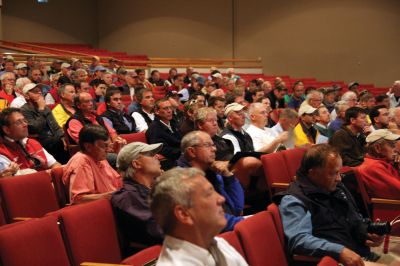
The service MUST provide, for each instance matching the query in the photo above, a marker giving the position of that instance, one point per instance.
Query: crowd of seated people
(219, 124)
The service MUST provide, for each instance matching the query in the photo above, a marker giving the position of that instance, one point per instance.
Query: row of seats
(33, 195)
(278, 179)
(86, 234)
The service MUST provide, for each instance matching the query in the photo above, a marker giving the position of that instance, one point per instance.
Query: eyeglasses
(206, 145)
(20, 122)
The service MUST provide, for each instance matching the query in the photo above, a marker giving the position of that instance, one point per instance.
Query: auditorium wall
(58, 21)
(330, 40)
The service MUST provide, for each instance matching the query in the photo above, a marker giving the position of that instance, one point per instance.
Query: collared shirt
(132, 210)
(75, 126)
(298, 229)
(176, 252)
(260, 137)
(18, 101)
(60, 115)
(83, 175)
(141, 124)
(393, 101)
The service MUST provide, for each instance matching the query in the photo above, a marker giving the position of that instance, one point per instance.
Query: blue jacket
(230, 188)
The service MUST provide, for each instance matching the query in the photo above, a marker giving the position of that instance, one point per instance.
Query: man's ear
(6, 130)
(136, 164)
(182, 214)
(190, 152)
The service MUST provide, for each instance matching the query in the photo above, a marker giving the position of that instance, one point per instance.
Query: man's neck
(67, 104)
(199, 165)
(143, 179)
(165, 121)
(147, 109)
(236, 128)
(354, 130)
(190, 234)
(258, 124)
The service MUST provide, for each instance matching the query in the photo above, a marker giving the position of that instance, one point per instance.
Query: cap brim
(392, 137)
(154, 148)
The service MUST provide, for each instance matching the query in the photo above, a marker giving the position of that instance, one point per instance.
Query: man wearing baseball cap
(304, 133)
(138, 165)
(380, 170)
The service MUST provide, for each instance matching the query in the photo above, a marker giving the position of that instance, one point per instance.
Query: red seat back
(275, 170)
(232, 238)
(256, 233)
(30, 195)
(144, 257)
(90, 232)
(293, 159)
(276, 216)
(61, 189)
(328, 261)
(35, 242)
(135, 137)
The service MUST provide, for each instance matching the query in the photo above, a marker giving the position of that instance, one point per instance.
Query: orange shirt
(83, 175)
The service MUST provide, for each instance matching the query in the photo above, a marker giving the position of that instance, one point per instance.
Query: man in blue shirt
(319, 215)
(199, 152)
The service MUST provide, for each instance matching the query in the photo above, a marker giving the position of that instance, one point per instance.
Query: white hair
(21, 82)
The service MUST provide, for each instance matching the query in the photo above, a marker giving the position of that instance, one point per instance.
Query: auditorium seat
(260, 240)
(276, 172)
(276, 216)
(232, 238)
(144, 257)
(61, 190)
(90, 232)
(135, 137)
(28, 196)
(293, 159)
(36, 242)
(328, 261)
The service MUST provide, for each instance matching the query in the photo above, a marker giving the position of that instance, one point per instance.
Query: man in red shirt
(379, 170)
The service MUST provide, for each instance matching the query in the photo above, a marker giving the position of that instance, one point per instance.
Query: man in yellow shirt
(64, 110)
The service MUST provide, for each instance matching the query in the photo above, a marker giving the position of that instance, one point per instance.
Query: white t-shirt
(261, 137)
(177, 252)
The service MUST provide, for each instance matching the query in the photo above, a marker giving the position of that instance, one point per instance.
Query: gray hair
(347, 95)
(191, 139)
(201, 114)
(6, 74)
(255, 106)
(173, 187)
(314, 92)
(21, 82)
(62, 88)
(340, 105)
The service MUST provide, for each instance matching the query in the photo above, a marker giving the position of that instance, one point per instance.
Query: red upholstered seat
(29, 195)
(90, 232)
(293, 159)
(276, 216)
(328, 261)
(276, 172)
(260, 240)
(35, 242)
(232, 238)
(140, 137)
(61, 189)
(143, 257)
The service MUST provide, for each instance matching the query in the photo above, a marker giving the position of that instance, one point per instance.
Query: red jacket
(381, 179)
(15, 152)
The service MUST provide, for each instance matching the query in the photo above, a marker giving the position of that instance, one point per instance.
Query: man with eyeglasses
(380, 169)
(17, 151)
(42, 124)
(139, 166)
(88, 175)
(164, 130)
(7, 87)
(199, 152)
